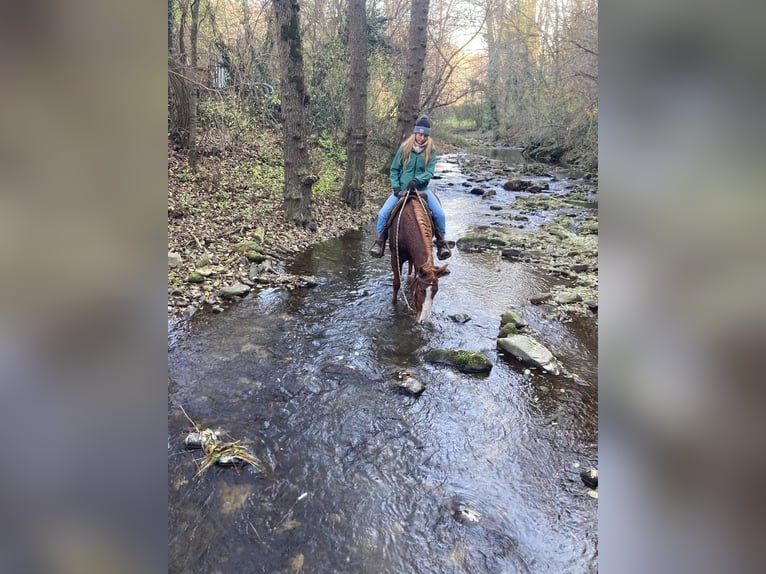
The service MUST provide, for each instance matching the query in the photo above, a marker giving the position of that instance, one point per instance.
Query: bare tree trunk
(493, 71)
(357, 95)
(193, 89)
(298, 177)
(409, 105)
(171, 46)
(181, 35)
(178, 89)
(193, 29)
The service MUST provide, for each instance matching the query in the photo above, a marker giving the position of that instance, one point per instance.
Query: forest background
(279, 131)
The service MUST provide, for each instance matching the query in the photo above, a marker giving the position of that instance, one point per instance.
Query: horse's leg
(397, 280)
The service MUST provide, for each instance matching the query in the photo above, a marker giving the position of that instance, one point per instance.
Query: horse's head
(423, 288)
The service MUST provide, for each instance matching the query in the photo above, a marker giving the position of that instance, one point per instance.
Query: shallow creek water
(478, 474)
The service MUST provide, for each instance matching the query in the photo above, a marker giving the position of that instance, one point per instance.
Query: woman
(413, 166)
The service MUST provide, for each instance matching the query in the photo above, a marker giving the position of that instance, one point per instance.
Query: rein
(396, 251)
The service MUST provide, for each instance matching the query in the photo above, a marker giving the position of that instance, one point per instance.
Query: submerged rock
(589, 476)
(465, 361)
(527, 350)
(407, 383)
(464, 513)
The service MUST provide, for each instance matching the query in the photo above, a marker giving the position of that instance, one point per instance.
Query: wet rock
(489, 193)
(465, 361)
(508, 329)
(464, 513)
(496, 207)
(512, 316)
(233, 291)
(174, 260)
(540, 298)
(460, 318)
(589, 476)
(513, 253)
(406, 382)
(534, 189)
(527, 350)
(476, 191)
(567, 297)
(306, 281)
(516, 184)
(474, 243)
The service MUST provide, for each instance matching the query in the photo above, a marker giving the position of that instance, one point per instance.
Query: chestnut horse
(411, 239)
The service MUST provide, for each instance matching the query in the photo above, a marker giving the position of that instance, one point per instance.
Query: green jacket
(415, 169)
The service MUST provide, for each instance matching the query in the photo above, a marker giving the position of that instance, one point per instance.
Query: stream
(478, 474)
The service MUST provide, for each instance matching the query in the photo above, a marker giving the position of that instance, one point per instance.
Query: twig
(196, 428)
(256, 532)
(197, 241)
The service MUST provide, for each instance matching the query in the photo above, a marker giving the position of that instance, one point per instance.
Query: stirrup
(443, 251)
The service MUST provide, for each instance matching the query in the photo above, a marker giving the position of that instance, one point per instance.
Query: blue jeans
(433, 205)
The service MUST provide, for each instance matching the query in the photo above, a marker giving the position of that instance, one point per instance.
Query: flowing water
(478, 474)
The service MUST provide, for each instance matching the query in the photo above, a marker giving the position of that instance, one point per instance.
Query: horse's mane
(424, 225)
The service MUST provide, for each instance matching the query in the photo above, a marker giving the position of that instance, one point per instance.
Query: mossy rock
(465, 361)
(244, 246)
(255, 257)
(512, 316)
(195, 278)
(508, 329)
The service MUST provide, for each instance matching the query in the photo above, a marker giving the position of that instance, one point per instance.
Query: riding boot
(442, 247)
(380, 245)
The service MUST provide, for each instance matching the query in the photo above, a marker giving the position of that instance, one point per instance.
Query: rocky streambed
(469, 444)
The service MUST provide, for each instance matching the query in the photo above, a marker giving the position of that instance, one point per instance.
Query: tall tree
(357, 96)
(179, 90)
(298, 176)
(192, 76)
(409, 105)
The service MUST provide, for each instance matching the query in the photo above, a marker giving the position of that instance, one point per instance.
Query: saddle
(405, 195)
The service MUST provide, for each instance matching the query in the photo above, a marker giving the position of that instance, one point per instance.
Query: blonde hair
(407, 149)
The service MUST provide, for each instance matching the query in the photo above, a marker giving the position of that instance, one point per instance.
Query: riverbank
(227, 233)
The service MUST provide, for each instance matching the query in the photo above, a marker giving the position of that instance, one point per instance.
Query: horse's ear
(441, 270)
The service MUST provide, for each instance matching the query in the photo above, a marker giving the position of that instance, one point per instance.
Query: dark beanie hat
(422, 126)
